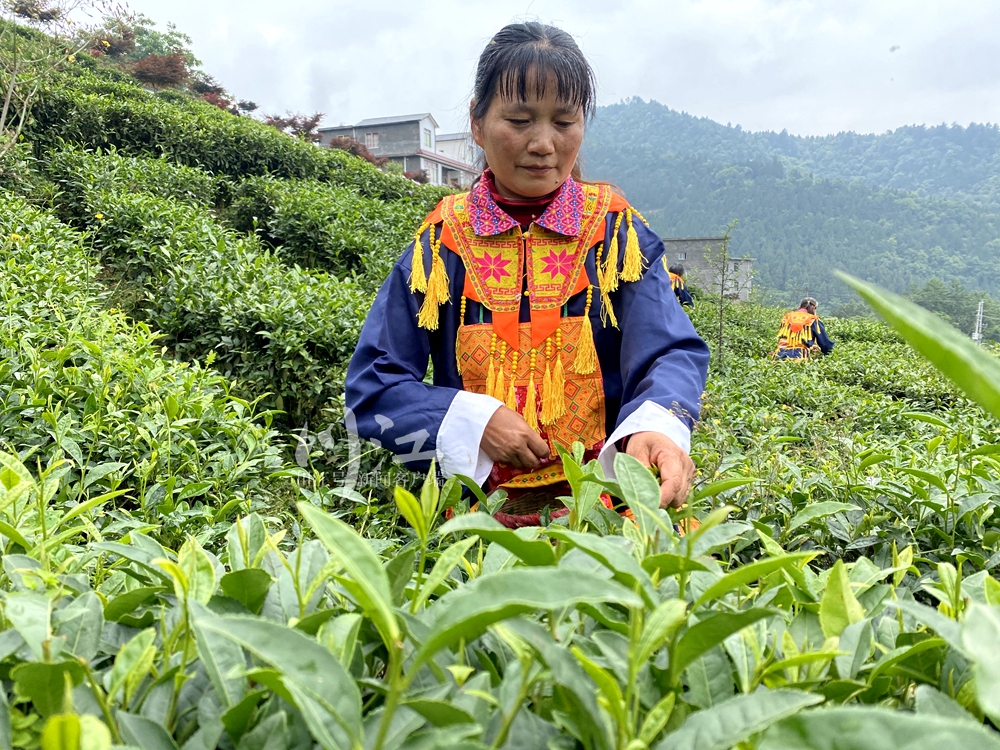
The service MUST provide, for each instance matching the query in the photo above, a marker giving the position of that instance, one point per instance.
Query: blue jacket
(654, 355)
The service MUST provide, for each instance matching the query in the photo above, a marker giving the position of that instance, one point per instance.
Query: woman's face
(531, 146)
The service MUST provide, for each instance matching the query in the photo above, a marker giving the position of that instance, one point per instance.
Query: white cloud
(811, 66)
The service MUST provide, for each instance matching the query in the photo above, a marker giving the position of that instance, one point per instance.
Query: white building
(412, 142)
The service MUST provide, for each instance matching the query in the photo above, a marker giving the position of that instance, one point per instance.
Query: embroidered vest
(545, 369)
(796, 330)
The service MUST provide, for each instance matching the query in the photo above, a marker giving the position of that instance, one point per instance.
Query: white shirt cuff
(461, 432)
(649, 417)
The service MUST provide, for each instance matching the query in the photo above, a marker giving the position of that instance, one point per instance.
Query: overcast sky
(813, 67)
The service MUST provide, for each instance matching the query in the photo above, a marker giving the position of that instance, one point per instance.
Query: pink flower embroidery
(492, 267)
(558, 264)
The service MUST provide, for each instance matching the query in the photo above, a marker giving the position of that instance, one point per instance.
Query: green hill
(944, 161)
(693, 176)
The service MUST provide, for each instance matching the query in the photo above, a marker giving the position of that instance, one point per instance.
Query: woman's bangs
(533, 69)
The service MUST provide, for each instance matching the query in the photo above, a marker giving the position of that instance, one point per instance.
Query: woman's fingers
(535, 443)
(676, 467)
(526, 458)
(508, 439)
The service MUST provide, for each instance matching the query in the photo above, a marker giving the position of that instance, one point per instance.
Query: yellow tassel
(531, 402)
(547, 396)
(634, 262)
(606, 308)
(558, 382)
(418, 277)
(511, 394)
(499, 387)
(491, 373)
(586, 354)
(609, 279)
(437, 289)
(461, 322)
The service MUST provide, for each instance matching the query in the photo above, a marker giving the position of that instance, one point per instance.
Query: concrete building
(412, 142)
(701, 258)
(459, 146)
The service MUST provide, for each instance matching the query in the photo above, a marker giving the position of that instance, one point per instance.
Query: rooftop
(395, 120)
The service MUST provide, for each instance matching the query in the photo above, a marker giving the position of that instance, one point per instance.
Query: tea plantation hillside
(180, 291)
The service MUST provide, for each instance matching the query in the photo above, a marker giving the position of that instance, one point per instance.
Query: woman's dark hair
(525, 54)
(677, 268)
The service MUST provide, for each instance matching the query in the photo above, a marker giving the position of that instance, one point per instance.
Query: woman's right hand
(508, 440)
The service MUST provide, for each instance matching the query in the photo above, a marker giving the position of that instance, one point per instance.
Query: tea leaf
(981, 634)
(748, 573)
(660, 625)
(45, 684)
(709, 633)
(815, 511)
(442, 569)
(371, 584)
(248, 586)
(468, 611)
(839, 607)
(736, 720)
(309, 672)
(520, 542)
(858, 728)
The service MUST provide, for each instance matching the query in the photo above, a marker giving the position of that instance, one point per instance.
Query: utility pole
(977, 335)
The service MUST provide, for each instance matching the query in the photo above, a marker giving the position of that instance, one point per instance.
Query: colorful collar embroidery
(563, 215)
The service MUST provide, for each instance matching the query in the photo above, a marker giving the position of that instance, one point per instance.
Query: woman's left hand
(676, 467)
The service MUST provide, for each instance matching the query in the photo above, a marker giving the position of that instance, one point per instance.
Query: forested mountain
(946, 161)
(897, 209)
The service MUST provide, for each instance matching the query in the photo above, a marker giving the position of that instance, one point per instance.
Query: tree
(115, 39)
(161, 71)
(356, 147)
(958, 304)
(298, 126)
(38, 38)
(150, 41)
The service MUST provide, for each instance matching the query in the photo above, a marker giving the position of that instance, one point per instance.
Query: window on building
(427, 138)
(682, 256)
(736, 267)
(371, 140)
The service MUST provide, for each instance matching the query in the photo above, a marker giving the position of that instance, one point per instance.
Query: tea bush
(596, 632)
(317, 225)
(871, 443)
(278, 329)
(94, 113)
(82, 382)
(77, 171)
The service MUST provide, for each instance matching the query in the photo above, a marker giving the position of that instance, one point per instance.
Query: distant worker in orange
(802, 333)
(676, 272)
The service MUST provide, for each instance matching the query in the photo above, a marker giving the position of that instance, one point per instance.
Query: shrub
(78, 171)
(95, 113)
(557, 638)
(82, 382)
(316, 225)
(303, 127)
(283, 331)
(161, 71)
(356, 147)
